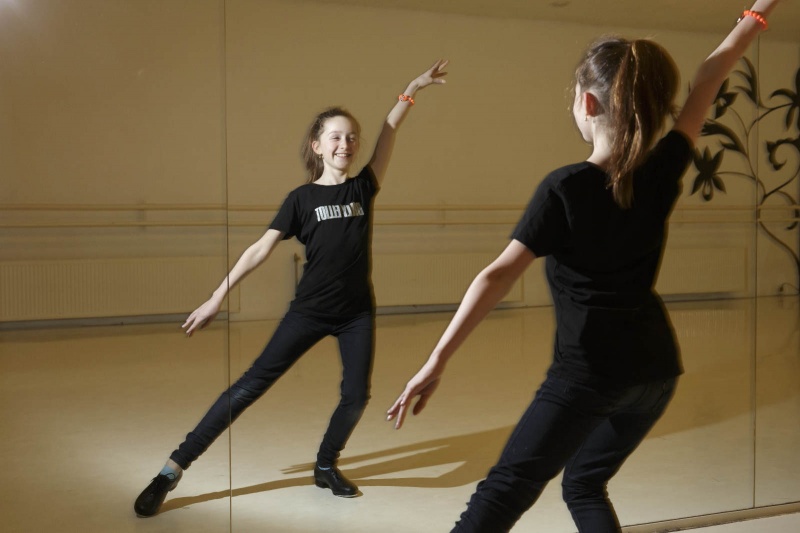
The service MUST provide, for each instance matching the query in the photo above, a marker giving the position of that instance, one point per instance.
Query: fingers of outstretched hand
(189, 322)
(196, 320)
(425, 394)
(397, 412)
(201, 317)
(434, 74)
(437, 71)
(189, 326)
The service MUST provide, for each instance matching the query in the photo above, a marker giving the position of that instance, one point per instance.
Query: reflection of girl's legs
(587, 473)
(356, 346)
(294, 336)
(546, 436)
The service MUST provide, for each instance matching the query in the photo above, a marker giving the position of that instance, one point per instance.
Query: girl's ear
(593, 107)
(315, 147)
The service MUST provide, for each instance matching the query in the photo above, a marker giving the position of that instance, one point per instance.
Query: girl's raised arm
(713, 71)
(385, 143)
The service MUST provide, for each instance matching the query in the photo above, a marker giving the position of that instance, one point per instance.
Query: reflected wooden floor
(90, 414)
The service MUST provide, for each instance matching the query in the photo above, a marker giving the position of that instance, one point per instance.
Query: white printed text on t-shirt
(327, 212)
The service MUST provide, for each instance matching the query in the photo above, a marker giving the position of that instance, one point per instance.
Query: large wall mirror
(113, 197)
(144, 145)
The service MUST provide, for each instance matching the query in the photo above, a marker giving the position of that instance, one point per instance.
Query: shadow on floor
(476, 452)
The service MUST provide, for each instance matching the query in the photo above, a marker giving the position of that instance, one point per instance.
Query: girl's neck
(332, 177)
(601, 150)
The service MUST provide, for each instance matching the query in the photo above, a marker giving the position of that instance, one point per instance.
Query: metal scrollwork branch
(734, 138)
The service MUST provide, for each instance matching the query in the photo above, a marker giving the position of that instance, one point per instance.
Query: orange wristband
(756, 15)
(406, 98)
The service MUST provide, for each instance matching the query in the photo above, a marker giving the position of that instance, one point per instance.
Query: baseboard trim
(716, 519)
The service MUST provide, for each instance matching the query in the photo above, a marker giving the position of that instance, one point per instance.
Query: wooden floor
(88, 416)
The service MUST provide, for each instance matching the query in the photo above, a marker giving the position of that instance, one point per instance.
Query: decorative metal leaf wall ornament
(794, 101)
(707, 179)
(778, 180)
(772, 150)
(724, 100)
(733, 143)
(751, 78)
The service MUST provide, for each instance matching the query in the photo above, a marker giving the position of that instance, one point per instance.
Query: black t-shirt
(602, 262)
(334, 222)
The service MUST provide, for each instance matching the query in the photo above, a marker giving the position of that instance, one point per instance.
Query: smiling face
(338, 143)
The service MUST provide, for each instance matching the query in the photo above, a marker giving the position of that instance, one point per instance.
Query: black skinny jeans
(295, 335)
(586, 431)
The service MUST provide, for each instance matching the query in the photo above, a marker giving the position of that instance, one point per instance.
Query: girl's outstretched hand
(435, 74)
(202, 316)
(423, 384)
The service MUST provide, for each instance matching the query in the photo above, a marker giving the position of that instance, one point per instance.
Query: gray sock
(170, 473)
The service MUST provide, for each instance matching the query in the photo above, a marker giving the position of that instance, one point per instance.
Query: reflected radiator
(93, 288)
(436, 279)
(429, 279)
(86, 288)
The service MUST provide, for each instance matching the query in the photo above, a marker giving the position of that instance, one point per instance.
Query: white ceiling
(716, 16)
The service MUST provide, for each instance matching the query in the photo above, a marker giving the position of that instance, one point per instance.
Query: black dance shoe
(149, 501)
(334, 480)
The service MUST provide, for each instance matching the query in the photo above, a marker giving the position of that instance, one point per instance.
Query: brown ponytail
(311, 160)
(635, 83)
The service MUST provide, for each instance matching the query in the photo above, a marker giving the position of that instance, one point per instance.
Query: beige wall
(121, 102)
(112, 102)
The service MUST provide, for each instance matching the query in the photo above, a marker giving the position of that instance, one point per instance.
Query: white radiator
(429, 279)
(91, 288)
